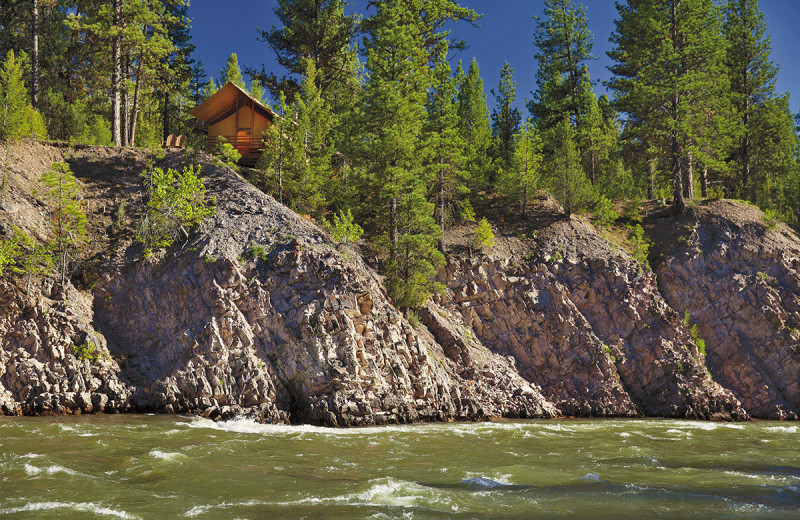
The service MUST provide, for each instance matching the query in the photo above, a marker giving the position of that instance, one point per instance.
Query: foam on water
(782, 429)
(165, 455)
(199, 510)
(85, 507)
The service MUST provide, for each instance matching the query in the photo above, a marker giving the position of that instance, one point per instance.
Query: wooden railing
(247, 146)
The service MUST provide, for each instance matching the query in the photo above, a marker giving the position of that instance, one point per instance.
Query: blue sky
(505, 34)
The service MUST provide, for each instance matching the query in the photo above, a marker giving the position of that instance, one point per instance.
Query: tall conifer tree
(506, 117)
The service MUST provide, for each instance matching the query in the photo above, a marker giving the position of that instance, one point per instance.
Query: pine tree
(752, 78)
(317, 30)
(568, 184)
(564, 44)
(231, 72)
(18, 119)
(598, 140)
(521, 178)
(311, 172)
(506, 118)
(445, 148)
(475, 127)
(668, 56)
(210, 89)
(279, 149)
(403, 38)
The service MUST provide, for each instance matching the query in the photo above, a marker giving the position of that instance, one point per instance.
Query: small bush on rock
(176, 203)
(342, 229)
(483, 238)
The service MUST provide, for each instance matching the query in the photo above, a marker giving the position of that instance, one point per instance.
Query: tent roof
(223, 102)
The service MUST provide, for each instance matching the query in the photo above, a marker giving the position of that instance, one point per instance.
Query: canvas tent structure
(234, 114)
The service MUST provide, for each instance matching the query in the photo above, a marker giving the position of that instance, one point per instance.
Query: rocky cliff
(586, 323)
(737, 276)
(259, 313)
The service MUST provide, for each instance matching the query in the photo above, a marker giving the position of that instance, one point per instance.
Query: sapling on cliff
(66, 213)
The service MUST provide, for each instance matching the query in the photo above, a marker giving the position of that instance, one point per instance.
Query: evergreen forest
(380, 128)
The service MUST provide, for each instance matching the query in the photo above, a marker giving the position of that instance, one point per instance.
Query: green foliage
(227, 153)
(9, 251)
(342, 228)
(259, 252)
(771, 218)
(694, 332)
(522, 176)
(413, 318)
(632, 209)
(317, 30)
(474, 123)
(506, 118)
(445, 149)
(640, 246)
(604, 213)
(88, 352)
(231, 72)
(176, 203)
(668, 79)
(66, 213)
(564, 44)
(17, 118)
(483, 237)
(568, 183)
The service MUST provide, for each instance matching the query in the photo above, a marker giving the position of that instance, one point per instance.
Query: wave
(199, 510)
(85, 507)
(165, 455)
(32, 470)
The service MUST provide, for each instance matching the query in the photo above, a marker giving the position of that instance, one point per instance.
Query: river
(164, 467)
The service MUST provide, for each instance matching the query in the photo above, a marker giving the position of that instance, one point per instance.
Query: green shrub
(640, 246)
(632, 210)
(604, 213)
(9, 251)
(771, 218)
(342, 229)
(87, 352)
(227, 153)
(176, 203)
(483, 237)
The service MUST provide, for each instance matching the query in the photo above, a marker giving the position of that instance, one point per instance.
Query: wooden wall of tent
(238, 117)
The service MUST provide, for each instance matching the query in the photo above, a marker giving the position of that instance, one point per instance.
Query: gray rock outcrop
(740, 283)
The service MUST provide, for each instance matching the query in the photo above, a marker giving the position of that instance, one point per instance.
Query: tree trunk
(651, 179)
(393, 225)
(688, 188)
(135, 112)
(115, 81)
(748, 192)
(126, 103)
(441, 209)
(35, 58)
(678, 205)
(166, 115)
(704, 182)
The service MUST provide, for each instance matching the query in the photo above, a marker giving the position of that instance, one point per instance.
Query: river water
(164, 467)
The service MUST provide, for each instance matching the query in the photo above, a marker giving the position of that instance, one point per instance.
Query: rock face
(587, 324)
(262, 315)
(259, 313)
(740, 283)
(52, 361)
